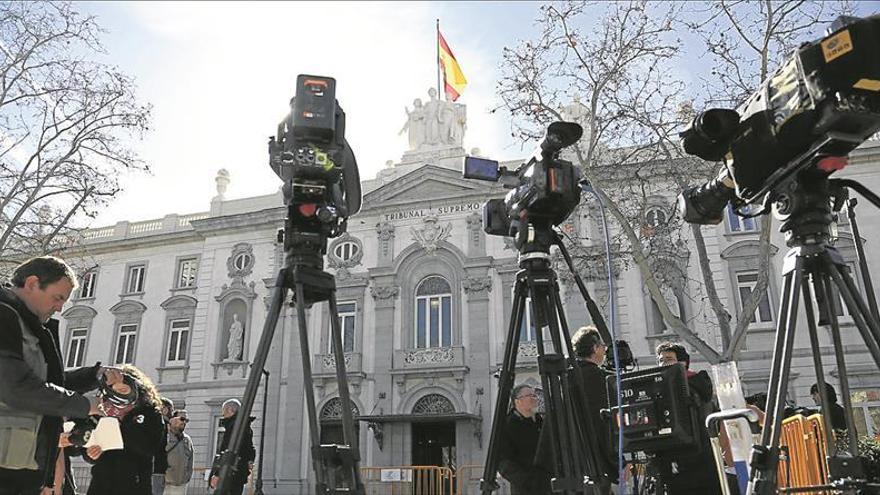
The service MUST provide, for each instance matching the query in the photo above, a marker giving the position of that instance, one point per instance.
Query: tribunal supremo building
(424, 301)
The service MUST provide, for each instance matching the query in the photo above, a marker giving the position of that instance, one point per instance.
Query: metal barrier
(408, 480)
(805, 464)
(198, 484)
(467, 480)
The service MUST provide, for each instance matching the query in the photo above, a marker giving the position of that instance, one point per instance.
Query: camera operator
(518, 446)
(133, 400)
(690, 471)
(35, 391)
(247, 453)
(837, 413)
(590, 351)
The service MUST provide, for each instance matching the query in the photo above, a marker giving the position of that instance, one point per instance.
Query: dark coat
(518, 444)
(58, 396)
(692, 470)
(247, 453)
(595, 388)
(129, 471)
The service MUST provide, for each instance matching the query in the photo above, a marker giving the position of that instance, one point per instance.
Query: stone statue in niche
(236, 339)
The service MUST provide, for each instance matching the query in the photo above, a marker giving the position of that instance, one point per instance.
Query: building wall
(416, 221)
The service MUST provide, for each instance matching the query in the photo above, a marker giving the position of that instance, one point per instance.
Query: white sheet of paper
(106, 435)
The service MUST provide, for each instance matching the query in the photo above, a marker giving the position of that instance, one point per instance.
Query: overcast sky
(220, 76)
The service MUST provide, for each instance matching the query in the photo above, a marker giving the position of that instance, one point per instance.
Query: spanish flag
(453, 78)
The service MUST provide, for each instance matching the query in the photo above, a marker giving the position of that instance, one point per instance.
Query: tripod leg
(819, 288)
(348, 430)
(831, 306)
(864, 321)
(308, 389)
(228, 463)
(765, 458)
(505, 384)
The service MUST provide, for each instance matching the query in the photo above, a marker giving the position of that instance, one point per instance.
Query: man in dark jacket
(160, 461)
(590, 351)
(691, 470)
(519, 444)
(838, 414)
(246, 453)
(35, 391)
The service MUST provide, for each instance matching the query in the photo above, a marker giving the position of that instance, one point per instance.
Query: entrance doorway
(434, 444)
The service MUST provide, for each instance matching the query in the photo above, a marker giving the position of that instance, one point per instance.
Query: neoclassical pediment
(428, 183)
(179, 301)
(79, 312)
(128, 307)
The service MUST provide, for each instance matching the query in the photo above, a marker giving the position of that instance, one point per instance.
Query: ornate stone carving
(528, 349)
(236, 338)
(433, 355)
(328, 361)
(476, 285)
(384, 291)
(435, 123)
(508, 243)
(385, 231)
(431, 234)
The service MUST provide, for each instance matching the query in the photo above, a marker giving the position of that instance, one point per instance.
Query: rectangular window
(737, 223)
(178, 340)
(125, 344)
(347, 319)
(136, 275)
(746, 282)
(433, 321)
(87, 287)
(187, 269)
(76, 351)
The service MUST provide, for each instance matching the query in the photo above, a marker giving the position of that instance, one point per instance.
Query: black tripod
(336, 466)
(572, 439)
(807, 205)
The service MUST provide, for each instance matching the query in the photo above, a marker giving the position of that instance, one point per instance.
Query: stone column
(385, 234)
(476, 239)
(477, 287)
(385, 293)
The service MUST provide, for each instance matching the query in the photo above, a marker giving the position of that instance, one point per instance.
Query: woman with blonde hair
(134, 401)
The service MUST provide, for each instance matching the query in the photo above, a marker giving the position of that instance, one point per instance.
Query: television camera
(321, 190)
(780, 148)
(543, 191)
(822, 103)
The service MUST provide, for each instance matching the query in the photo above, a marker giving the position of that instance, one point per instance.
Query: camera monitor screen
(655, 413)
(480, 168)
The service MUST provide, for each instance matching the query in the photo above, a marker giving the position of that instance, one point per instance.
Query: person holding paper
(134, 402)
(36, 392)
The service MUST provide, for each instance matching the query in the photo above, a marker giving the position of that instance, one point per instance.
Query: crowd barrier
(804, 464)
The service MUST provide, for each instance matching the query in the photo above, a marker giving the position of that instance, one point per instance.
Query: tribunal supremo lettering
(425, 212)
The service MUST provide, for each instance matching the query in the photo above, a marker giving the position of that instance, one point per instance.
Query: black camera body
(543, 191)
(310, 154)
(824, 101)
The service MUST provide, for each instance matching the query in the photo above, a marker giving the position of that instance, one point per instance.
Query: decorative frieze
(434, 355)
(477, 285)
(384, 292)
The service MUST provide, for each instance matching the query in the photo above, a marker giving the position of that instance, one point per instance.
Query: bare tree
(66, 125)
(616, 61)
(745, 42)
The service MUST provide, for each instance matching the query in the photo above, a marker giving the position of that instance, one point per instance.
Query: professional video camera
(310, 154)
(822, 102)
(656, 413)
(544, 190)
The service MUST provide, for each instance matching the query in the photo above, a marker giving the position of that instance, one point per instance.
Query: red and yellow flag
(453, 78)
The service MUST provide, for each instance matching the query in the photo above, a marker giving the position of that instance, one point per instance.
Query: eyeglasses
(534, 396)
(185, 420)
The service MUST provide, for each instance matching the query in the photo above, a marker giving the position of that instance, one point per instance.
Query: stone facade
(417, 243)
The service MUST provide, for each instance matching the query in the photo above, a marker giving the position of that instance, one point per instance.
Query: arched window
(433, 404)
(433, 309)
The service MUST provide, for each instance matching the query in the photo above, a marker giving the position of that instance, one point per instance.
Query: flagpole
(440, 91)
